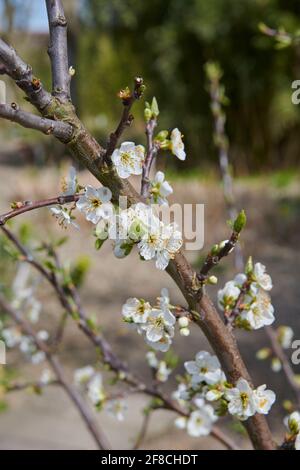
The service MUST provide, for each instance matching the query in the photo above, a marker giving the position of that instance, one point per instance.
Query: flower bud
(183, 322)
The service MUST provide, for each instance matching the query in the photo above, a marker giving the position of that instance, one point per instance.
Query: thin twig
(32, 205)
(17, 387)
(143, 431)
(58, 50)
(126, 118)
(53, 361)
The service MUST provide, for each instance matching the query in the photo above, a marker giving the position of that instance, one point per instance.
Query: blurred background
(167, 42)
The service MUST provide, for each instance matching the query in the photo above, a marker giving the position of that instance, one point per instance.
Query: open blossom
(69, 183)
(45, 377)
(128, 159)
(95, 204)
(63, 216)
(159, 329)
(201, 420)
(136, 310)
(228, 296)
(160, 189)
(261, 277)
(116, 408)
(260, 311)
(177, 145)
(241, 401)
(263, 399)
(170, 244)
(95, 389)
(83, 375)
(206, 368)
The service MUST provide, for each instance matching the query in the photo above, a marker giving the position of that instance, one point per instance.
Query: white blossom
(83, 375)
(171, 242)
(228, 296)
(241, 401)
(95, 204)
(95, 389)
(163, 372)
(261, 277)
(276, 365)
(129, 159)
(206, 368)
(159, 329)
(69, 183)
(177, 145)
(260, 312)
(201, 420)
(63, 216)
(136, 310)
(160, 189)
(116, 408)
(263, 399)
(152, 359)
(42, 335)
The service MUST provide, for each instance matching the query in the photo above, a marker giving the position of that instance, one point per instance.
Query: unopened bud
(212, 280)
(183, 322)
(185, 332)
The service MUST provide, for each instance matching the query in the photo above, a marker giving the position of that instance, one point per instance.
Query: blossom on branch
(160, 189)
(128, 159)
(95, 204)
(177, 145)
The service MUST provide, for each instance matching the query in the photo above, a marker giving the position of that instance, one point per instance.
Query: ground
(272, 237)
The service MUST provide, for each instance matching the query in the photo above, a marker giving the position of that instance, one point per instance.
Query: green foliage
(168, 42)
(79, 270)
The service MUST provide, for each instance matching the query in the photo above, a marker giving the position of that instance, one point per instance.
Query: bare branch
(58, 50)
(75, 397)
(16, 68)
(32, 205)
(61, 130)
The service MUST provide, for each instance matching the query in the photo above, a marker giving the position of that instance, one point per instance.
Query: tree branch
(109, 358)
(75, 397)
(61, 130)
(89, 153)
(58, 50)
(32, 205)
(22, 74)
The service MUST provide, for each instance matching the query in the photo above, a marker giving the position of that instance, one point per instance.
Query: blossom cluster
(248, 299)
(137, 225)
(13, 337)
(155, 324)
(88, 380)
(206, 382)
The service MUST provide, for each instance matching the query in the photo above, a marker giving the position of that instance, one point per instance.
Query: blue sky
(37, 20)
